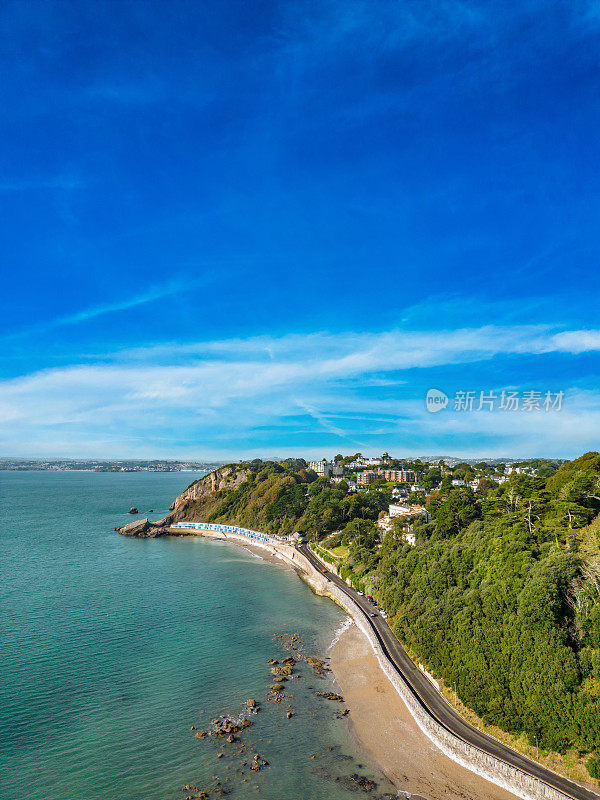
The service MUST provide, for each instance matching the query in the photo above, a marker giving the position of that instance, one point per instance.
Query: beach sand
(266, 552)
(386, 729)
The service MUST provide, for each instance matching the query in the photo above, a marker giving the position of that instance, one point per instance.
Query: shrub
(593, 766)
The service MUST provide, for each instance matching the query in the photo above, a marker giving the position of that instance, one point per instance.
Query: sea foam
(342, 628)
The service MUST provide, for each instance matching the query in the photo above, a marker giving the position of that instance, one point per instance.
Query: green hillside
(500, 595)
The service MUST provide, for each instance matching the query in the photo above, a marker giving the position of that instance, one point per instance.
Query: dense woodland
(500, 595)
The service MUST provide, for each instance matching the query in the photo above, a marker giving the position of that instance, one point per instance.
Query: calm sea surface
(111, 648)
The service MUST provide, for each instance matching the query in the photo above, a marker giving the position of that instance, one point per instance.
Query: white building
(340, 478)
(358, 464)
(406, 510)
(326, 468)
(458, 482)
(410, 538)
(385, 524)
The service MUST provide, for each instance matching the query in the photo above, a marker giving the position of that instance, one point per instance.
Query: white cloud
(576, 341)
(212, 396)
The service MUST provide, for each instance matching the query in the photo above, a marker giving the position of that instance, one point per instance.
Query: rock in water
(331, 696)
(144, 528)
(133, 510)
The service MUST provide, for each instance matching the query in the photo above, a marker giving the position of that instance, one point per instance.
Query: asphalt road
(436, 705)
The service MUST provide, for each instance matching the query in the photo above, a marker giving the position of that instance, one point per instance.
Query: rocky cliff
(195, 503)
(230, 476)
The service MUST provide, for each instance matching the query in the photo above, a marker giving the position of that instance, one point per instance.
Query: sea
(112, 648)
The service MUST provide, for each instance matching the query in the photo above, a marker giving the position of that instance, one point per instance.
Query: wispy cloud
(150, 295)
(352, 353)
(217, 397)
(326, 423)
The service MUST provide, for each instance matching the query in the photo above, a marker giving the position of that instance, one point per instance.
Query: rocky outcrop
(188, 504)
(331, 696)
(133, 510)
(137, 528)
(146, 529)
(228, 477)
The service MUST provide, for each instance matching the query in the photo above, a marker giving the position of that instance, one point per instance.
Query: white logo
(435, 400)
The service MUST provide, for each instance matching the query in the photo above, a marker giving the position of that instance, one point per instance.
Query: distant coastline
(104, 465)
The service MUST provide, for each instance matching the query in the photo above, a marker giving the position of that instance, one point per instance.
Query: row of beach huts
(213, 526)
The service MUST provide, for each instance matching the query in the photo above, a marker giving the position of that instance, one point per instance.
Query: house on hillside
(406, 510)
(325, 469)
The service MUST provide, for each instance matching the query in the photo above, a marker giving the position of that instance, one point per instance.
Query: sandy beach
(386, 729)
(266, 552)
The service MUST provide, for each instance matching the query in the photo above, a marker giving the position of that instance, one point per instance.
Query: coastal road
(433, 702)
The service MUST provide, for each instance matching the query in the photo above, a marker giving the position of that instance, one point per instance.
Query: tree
(455, 512)
(593, 765)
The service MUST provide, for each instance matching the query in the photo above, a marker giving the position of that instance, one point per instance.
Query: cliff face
(229, 476)
(269, 496)
(195, 504)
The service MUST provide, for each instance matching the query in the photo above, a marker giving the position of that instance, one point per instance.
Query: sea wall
(485, 765)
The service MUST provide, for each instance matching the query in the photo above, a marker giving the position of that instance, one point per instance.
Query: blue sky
(268, 228)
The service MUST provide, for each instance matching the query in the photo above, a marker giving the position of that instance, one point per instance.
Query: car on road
(372, 614)
(324, 571)
(362, 594)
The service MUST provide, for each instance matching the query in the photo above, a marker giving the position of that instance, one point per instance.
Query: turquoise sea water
(112, 647)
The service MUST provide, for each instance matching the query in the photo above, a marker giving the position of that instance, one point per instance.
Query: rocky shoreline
(146, 529)
(385, 728)
(200, 490)
(242, 761)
